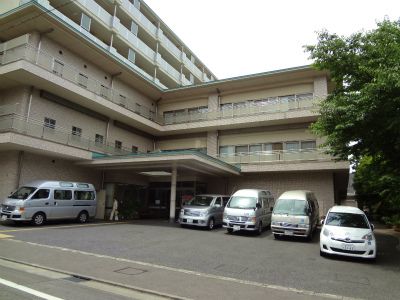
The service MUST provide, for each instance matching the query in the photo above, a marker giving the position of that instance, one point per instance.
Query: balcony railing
(34, 128)
(276, 156)
(74, 75)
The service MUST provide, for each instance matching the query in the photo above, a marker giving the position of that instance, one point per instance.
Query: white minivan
(248, 209)
(39, 201)
(296, 213)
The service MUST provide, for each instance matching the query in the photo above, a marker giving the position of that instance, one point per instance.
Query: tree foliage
(361, 116)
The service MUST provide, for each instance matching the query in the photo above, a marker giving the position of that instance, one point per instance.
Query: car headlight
(274, 223)
(326, 232)
(251, 219)
(368, 237)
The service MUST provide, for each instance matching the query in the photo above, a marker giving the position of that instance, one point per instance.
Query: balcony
(276, 156)
(74, 75)
(12, 122)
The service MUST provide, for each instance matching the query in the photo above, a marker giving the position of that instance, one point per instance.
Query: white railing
(94, 9)
(275, 156)
(139, 17)
(34, 128)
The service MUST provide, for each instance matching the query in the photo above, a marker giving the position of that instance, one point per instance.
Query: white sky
(239, 37)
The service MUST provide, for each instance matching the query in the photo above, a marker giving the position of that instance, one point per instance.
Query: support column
(173, 195)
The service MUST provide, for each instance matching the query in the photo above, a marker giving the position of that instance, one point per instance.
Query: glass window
(134, 28)
(84, 195)
(58, 67)
(242, 149)
(118, 144)
(41, 194)
(226, 150)
(62, 195)
(49, 123)
(76, 131)
(22, 193)
(346, 220)
(267, 147)
(201, 201)
(134, 149)
(85, 22)
(82, 80)
(308, 145)
(218, 201)
(255, 148)
(291, 146)
(242, 202)
(131, 55)
(99, 139)
(291, 207)
(225, 200)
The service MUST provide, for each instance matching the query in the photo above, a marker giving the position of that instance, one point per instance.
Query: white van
(39, 201)
(296, 213)
(248, 209)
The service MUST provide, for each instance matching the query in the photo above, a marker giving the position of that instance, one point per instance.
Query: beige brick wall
(9, 173)
(212, 143)
(196, 142)
(320, 87)
(181, 104)
(39, 167)
(16, 95)
(129, 139)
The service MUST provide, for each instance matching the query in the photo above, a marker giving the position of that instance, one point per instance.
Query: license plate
(3, 217)
(190, 221)
(236, 227)
(288, 232)
(349, 247)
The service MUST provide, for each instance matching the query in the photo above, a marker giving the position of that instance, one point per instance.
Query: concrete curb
(95, 279)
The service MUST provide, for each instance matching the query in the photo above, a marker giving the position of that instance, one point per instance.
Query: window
(58, 67)
(225, 200)
(292, 146)
(134, 149)
(49, 123)
(118, 144)
(41, 194)
(82, 80)
(84, 195)
(242, 149)
(62, 195)
(85, 22)
(99, 139)
(308, 145)
(76, 131)
(134, 28)
(267, 147)
(131, 55)
(255, 148)
(226, 150)
(218, 202)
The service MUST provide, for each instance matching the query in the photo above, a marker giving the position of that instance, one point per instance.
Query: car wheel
(230, 230)
(83, 217)
(38, 219)
(259, 229)
(211, 224)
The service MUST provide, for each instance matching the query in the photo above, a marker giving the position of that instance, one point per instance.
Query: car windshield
(346, 220)
(22, 193)
(242, 202)
(291, 207)
(201, 201)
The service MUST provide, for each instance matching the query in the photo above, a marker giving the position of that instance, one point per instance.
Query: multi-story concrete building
(104, 92)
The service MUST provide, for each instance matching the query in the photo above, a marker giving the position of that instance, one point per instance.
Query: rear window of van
(84, 195)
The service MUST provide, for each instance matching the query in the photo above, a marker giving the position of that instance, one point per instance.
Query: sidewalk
(145, 277)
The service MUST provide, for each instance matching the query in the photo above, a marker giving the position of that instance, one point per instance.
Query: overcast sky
(239, 37)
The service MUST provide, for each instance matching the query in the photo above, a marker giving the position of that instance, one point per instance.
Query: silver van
(248, 209)
(296, 213)
(39, 201)
(204, 211)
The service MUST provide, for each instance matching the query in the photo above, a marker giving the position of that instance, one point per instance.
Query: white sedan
(347, 231)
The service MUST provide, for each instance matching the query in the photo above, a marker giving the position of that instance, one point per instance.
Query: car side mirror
(372, 227)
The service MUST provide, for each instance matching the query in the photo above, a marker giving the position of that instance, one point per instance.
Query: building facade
(104, 92)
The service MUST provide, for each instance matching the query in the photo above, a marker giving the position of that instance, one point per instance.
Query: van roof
(296, 194)
(59, 184)
(248, 192)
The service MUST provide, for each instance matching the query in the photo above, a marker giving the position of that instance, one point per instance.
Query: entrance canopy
(187, 161)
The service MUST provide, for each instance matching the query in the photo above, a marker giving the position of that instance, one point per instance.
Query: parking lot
(291, 263)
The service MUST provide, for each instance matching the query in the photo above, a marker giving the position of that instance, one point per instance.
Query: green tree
(361, 115)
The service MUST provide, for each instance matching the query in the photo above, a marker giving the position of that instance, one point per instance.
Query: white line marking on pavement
(28, 290)
(205, 275)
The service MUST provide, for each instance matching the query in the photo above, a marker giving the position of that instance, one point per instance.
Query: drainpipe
(19, 170)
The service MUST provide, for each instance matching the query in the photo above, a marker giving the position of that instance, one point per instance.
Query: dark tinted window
(84, 195)
(22, 192)
(225, 200)
(41, 194)
(62, 195)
